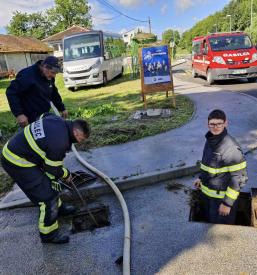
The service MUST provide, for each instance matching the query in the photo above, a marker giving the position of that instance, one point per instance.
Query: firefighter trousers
(42, 191)
(211, 213)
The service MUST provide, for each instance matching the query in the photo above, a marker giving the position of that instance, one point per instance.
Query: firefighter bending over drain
(34, 159)
(223, 172)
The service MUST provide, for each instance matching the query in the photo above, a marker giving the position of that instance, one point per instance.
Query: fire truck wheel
(210, 79)
(194, 74)
(252, 79)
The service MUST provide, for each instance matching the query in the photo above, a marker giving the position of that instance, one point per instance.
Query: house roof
(60, 35)
(14, 44)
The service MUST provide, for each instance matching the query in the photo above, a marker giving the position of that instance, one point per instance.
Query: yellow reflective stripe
(231, 168)
(35, 147)
(11, 157)
(32, 142)
(59, 202)
(232, 194)
(237, 167)
(41, 225)
(65, 173)
(50, 176)
(53, 163)
(212, 193)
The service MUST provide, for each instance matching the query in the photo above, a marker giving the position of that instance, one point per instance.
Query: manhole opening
(90, 219)
(243, 215)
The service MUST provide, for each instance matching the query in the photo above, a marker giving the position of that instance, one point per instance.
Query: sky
(164, 14)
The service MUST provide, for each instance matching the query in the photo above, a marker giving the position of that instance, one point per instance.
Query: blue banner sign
(156, 65)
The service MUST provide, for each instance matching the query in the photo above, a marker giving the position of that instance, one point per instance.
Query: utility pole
(251, 23)
(149, 22)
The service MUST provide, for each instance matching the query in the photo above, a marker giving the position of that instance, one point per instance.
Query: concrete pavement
(163, 241)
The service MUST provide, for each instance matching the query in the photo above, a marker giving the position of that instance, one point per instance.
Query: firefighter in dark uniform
(29, 95)
(34, 159)
(223, 172)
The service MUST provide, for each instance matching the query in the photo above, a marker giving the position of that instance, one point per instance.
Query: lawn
(108, 110)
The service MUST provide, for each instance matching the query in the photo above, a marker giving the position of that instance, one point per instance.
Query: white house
(127, 36)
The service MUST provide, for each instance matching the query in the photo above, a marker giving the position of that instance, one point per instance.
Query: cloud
(164, 9)
(129, 3)
(99, 15)
(133, 3)
(183, 5)
(7, 10)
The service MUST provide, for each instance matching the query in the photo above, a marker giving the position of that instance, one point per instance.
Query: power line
(112, 18)
(104, 2)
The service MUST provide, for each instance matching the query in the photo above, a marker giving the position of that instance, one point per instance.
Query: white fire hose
(126, 246)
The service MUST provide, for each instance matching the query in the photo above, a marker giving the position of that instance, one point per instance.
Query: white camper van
(92, 58)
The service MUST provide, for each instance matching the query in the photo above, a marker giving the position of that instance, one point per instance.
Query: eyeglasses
(218, 125)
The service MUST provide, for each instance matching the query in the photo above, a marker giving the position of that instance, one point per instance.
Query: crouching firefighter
(34, 160)
(223, 172)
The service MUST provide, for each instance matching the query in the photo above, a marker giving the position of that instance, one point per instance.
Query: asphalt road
(183, 72)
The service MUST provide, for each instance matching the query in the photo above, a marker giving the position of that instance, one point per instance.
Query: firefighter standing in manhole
(223, 172)
(34, 159)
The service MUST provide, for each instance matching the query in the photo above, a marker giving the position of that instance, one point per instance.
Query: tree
(171, 36)
(40, 25)
(18, 24)
(67, 13)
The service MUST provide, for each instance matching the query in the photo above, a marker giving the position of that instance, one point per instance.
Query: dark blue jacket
(44, 143)
(30, 93)
(223, 166)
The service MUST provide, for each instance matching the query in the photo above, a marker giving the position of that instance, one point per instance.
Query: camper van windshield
(235, 42)
(82, 47)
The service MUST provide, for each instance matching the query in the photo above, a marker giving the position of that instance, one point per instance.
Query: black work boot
(57, 239)
(66, 209)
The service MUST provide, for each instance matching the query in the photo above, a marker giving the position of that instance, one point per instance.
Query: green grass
(108, 110)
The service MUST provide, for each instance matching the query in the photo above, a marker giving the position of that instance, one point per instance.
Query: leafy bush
(93, 111)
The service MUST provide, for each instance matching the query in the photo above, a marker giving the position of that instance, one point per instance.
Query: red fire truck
(221, 56)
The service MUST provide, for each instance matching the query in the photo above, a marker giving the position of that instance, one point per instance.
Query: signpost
(155, 71)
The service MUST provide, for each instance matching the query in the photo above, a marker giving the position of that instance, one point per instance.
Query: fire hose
(126, 245)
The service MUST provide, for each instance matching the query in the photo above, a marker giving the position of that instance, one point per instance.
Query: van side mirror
(106, 55)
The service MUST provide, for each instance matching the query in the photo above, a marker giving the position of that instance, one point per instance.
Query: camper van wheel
(72, 89)
(194, 74)
(209, 77)
(104, 78)
(252, 79)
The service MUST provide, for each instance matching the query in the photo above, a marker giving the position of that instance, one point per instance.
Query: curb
(100, 188)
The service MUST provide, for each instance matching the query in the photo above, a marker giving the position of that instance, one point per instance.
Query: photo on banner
(156, 65)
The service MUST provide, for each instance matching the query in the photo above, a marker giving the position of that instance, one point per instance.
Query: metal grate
(81, 177)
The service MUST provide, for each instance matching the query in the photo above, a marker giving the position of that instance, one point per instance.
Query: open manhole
(90, 219)
(244, 212)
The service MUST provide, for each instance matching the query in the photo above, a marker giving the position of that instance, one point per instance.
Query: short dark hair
(82, 125)
(217, 114)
